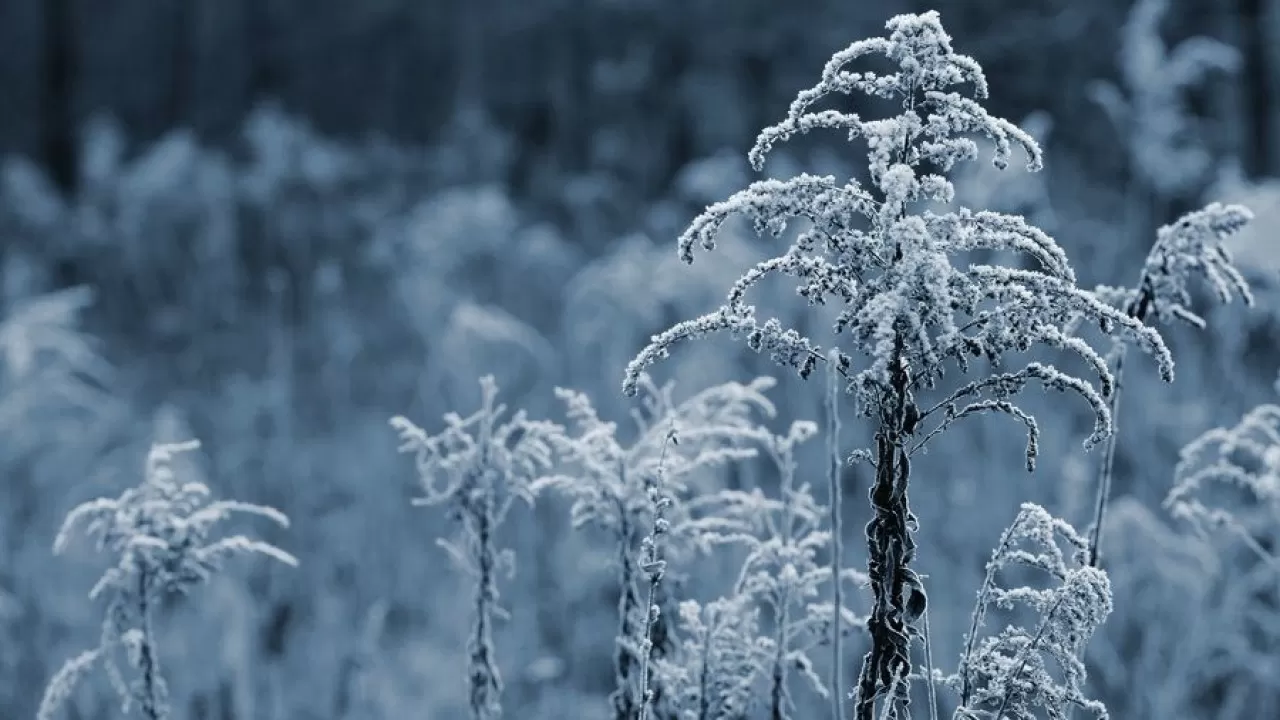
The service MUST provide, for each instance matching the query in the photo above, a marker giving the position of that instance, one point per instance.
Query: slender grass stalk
(930, 683)
(837, 539)
(1106, 470)
(655, 566)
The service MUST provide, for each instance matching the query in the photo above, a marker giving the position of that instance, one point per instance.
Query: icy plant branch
(654, 566)
(161, 533)
(1190, 247)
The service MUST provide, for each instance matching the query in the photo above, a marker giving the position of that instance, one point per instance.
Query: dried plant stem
(655, 566)
(1252, 543)
(979, 611)
(1138, 309)
(148, 665)
(486, 682)
(837, 538)
(623, 695)
(646, 646)
(778, 679)
(890, 550)
(1106, 472)
(928, 668)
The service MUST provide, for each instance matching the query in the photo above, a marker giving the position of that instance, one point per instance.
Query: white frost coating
(899, 271)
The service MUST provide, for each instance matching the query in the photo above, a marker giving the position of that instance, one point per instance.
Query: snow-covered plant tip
(1229, 479)
(1189, 247)
(909, 303)
(160, 532)
(477, 467)
(1010, 674)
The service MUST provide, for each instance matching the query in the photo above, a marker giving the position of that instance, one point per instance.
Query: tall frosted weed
(908, 309)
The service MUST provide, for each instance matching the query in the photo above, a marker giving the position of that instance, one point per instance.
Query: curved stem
(1106, 472)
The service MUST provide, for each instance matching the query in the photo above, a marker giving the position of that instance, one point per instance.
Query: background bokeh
(272, 224)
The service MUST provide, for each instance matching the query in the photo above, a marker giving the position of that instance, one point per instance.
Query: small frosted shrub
(1229, 479)
(718, 662)
(160, 532)
(912, 304)
(1011, 674)
(1166, 143)
(611, 485)
(477, 467)
(783, 573)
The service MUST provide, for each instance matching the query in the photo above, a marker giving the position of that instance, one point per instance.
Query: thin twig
(1106, 472)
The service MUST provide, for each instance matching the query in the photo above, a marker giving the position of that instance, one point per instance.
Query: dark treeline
(571, 80)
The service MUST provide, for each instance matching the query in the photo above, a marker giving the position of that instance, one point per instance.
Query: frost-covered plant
(910, 303)
(719, 659)
(477, 467)
(1174, 622)
(160, 531)
(654, 566)
(1008, 674)
(1165, 145)
(51, 370)
(607, 480)
(1243, 460)
(1189, 247)
(783, 573)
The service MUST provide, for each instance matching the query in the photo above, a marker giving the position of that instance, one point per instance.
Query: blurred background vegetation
(272, 224)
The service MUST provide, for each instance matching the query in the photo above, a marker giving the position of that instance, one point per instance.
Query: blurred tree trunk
(260, 49)
(58, 142)
(1259, 33)
(181, 37)
(398, 67)
(573, 87)
(470, 50)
